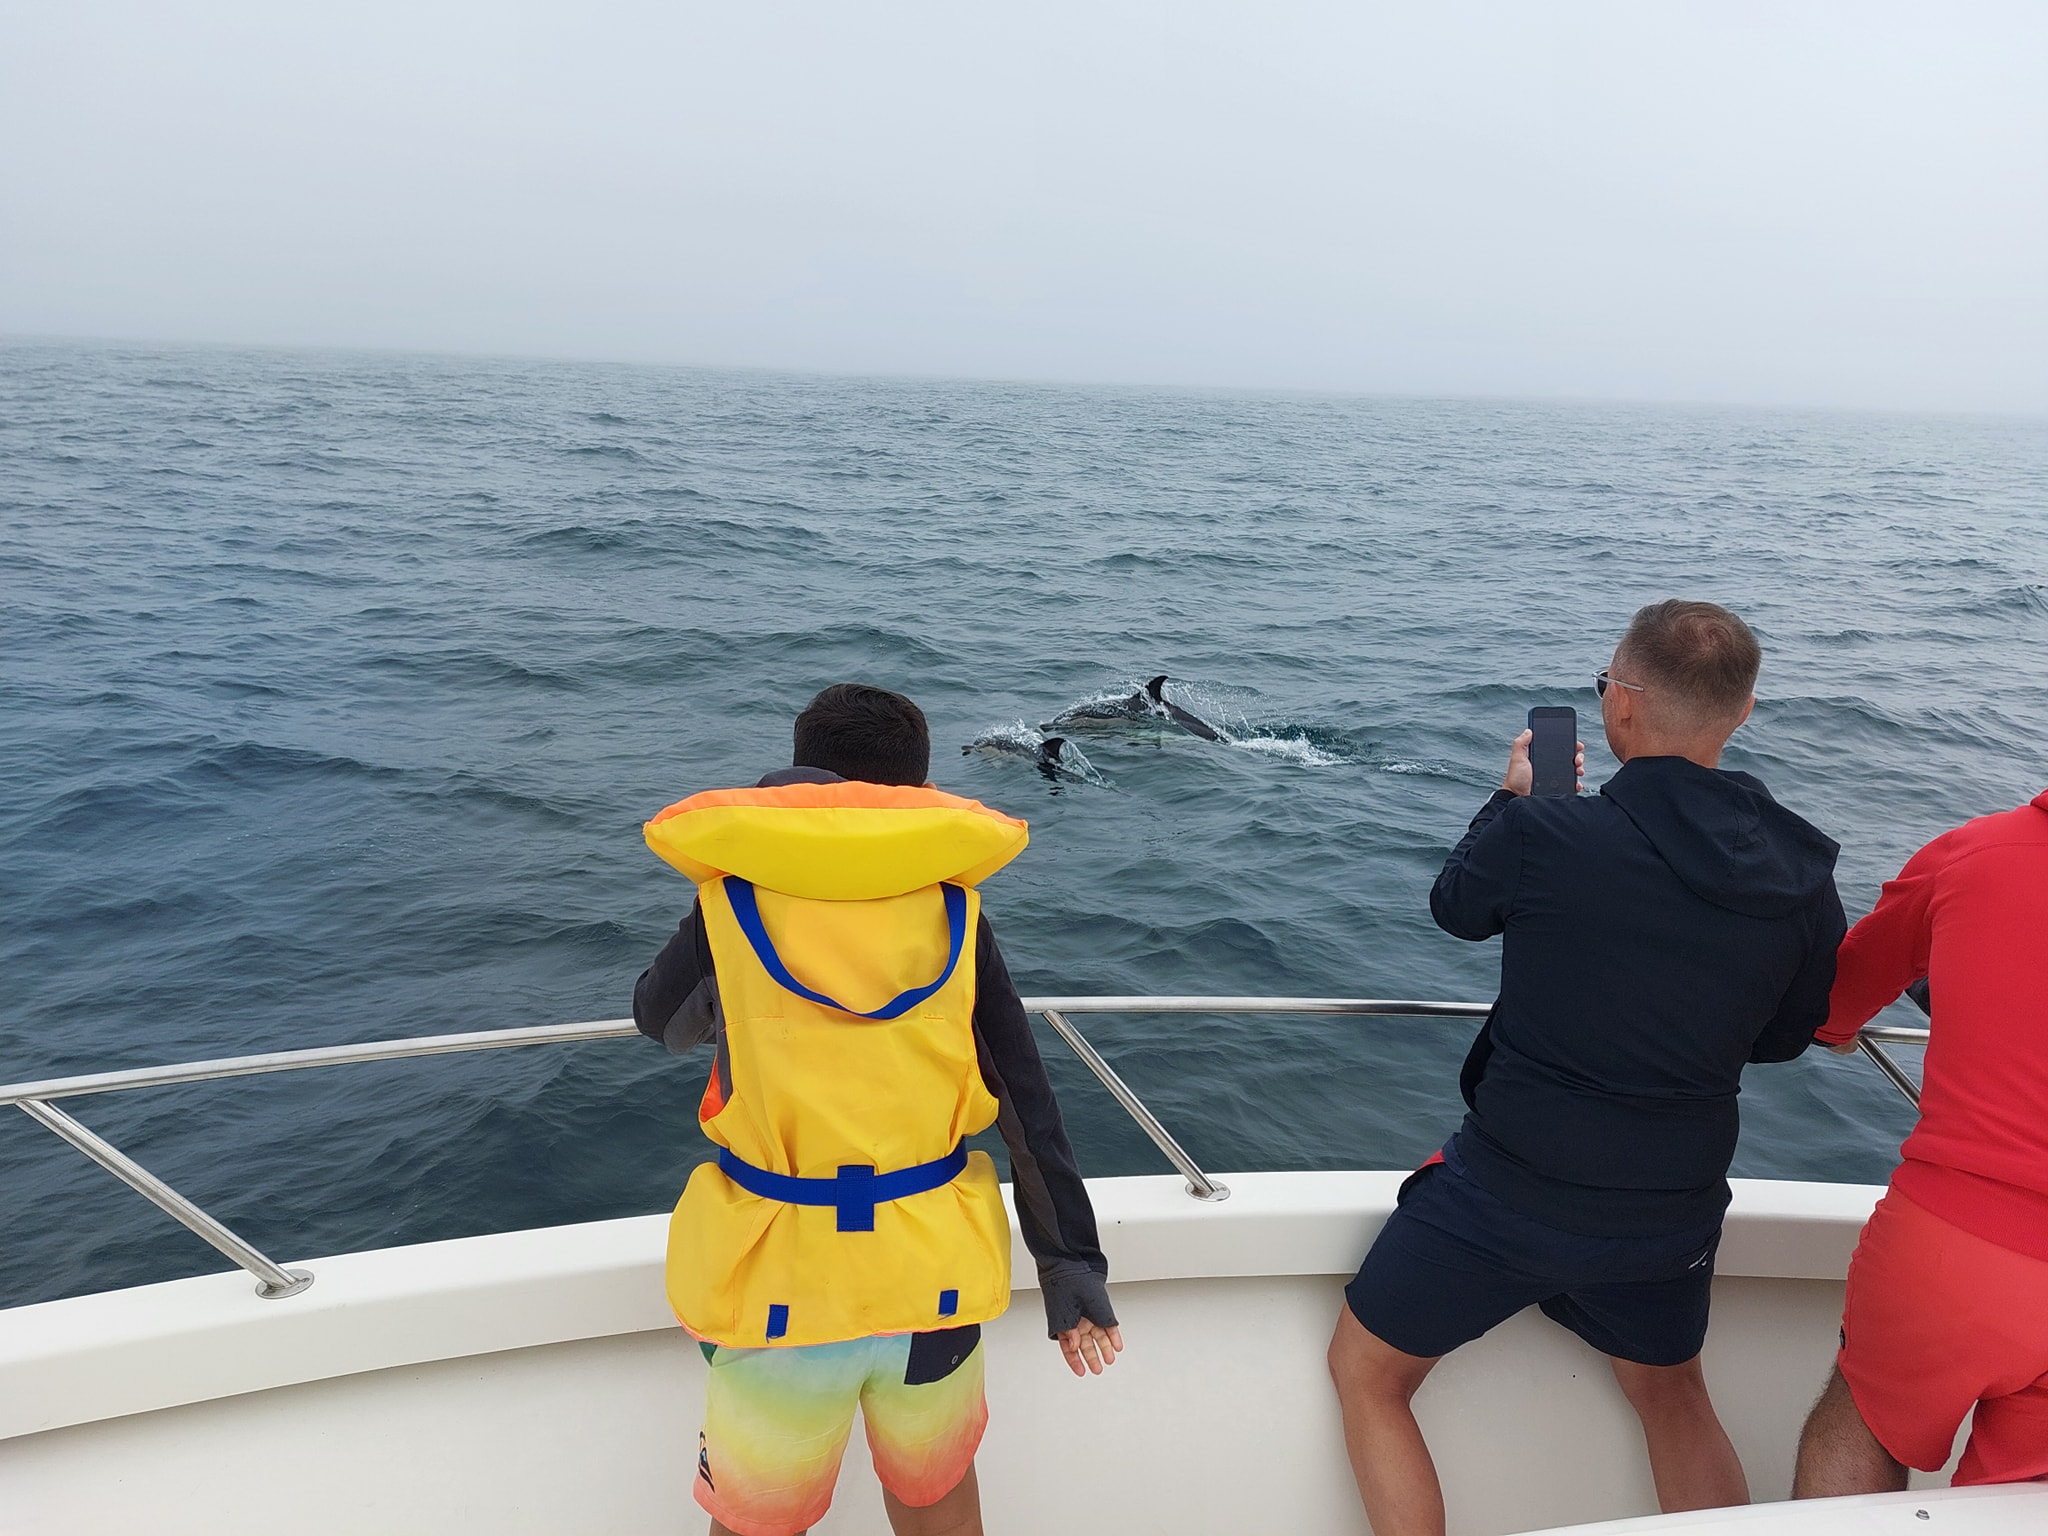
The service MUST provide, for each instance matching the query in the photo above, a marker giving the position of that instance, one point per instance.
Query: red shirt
(1970, 913)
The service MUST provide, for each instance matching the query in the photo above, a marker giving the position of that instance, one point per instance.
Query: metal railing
(275, 1282)
(1872, 1042)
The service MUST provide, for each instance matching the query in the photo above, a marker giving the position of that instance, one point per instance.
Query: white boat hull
(535, 1382)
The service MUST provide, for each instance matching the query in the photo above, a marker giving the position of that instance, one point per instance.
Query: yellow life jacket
(841, 921)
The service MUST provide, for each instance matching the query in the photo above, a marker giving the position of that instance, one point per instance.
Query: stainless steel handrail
(313, 1056)
(121, 1081)
(1377, 1006)
(1871, 1044)
(275, 1281)
(611, 1029)
(1200, 1185)
(1894, 1034)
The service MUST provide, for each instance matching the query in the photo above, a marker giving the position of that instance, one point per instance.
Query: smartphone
(1554, 750)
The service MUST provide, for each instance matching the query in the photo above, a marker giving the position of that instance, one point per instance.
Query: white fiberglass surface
(532, 1383)
(2015, 1510)
(1219, 1418)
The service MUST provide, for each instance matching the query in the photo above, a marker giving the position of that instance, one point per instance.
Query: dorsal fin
(1153, 688)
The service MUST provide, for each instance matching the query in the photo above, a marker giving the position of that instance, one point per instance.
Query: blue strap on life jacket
(856, 1190)
(744, 907)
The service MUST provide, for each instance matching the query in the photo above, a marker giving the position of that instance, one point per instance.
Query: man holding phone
(1656, 937)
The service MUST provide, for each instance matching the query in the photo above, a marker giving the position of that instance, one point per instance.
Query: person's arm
(1470, 899)
(1886, 952)
(1053, 1210)
(1804, 1007)
(675, 1000)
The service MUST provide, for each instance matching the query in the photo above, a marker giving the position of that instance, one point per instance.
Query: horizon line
(10, 338)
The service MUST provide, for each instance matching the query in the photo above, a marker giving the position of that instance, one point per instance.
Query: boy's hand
(1089, 1348)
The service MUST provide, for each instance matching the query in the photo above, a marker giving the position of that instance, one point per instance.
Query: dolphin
(1046, 756)
(1148, 703)
(1194, 725)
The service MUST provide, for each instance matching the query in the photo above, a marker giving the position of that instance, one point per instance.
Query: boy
(845, 1247)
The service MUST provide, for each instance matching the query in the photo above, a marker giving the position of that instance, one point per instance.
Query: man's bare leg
(1837, 1452)
(1691, 1458)
(1375, 1384)
(957, 1514)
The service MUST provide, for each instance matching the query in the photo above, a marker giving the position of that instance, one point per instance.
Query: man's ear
(1745, 713)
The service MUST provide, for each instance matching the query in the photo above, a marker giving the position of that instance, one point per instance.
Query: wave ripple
(337, 686)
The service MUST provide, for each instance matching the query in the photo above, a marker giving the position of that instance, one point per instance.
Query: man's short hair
(1699, 655)
(864, 733)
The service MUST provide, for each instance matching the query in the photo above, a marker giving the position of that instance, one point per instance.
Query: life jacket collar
(848, 841)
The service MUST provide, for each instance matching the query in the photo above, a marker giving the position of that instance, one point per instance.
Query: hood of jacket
(1723, 835)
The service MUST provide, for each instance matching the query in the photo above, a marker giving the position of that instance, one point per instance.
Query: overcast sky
(1825, 203)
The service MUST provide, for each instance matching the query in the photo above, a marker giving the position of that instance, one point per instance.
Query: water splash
(1128, 711)
(1290, 748)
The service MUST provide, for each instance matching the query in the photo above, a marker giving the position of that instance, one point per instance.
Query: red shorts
(1939, 1322)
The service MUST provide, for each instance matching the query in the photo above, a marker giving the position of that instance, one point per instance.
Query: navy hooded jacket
(1657, 937)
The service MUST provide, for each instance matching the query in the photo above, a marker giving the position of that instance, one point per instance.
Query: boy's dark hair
(864, 733)
(1705, 656)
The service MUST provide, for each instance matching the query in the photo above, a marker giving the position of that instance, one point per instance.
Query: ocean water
(334, 689)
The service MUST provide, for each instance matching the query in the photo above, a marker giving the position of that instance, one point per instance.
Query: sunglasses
(1601, 681)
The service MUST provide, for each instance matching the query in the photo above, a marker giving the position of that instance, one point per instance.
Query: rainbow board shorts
(776, 1423)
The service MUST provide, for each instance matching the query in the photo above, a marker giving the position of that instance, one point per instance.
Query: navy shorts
(1452, 1261)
